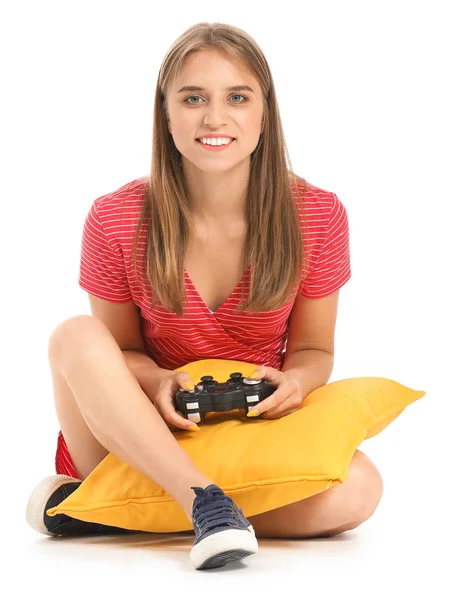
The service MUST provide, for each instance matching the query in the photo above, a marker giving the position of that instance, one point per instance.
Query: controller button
(194, 417)
(252, 399)
(251, 381)
(190, 405)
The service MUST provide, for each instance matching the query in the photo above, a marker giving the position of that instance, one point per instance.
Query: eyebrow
(195, 88)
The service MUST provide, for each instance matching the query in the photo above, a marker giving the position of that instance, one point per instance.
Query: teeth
(215, 141)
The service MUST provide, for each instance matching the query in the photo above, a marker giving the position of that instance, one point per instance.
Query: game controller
(211, 396)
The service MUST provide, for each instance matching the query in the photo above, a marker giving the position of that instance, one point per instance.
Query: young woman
(221, 252)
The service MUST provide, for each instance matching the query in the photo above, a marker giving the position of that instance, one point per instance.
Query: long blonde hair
(274, 245)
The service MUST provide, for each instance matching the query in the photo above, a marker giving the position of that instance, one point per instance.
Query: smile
(219, 148)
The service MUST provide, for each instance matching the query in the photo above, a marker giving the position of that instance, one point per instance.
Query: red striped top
(106, 271)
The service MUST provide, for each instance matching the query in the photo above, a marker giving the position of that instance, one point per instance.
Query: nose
(215, 114)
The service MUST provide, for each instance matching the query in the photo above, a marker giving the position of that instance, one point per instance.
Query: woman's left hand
(286, 399)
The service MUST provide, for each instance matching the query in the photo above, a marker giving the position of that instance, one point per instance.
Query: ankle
(187, 501)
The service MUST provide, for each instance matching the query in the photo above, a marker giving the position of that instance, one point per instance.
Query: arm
(311, 367)
(123, 322)
(310, 348)
(145, 370)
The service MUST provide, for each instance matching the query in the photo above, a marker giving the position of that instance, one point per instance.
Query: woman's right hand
(169, 385)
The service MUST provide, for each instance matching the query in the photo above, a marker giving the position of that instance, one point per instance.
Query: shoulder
(126, 199)
(117, 212)
(313, 201)
(318, 209)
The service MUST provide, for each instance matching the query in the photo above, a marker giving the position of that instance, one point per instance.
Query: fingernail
(255, 374)
(253, 413)
(194, 428)
(189, 385)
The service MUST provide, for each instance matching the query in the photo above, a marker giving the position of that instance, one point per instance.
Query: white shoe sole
(40, 496)
(223, 547)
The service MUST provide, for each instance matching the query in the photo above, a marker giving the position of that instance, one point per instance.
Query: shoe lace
(212, 508)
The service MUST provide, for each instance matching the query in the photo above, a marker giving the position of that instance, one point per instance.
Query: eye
(239, 95)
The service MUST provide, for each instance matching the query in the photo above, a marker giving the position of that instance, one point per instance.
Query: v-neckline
(225, 301)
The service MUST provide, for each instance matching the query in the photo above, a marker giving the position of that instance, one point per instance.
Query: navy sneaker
(223, 534)
(50, 492)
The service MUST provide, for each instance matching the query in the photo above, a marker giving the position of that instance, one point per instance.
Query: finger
(280, 411)
(268, 373)
(174, 427)
(282, 394)
(172, 416)
(271, 402)
(185, 382)
(292, 404)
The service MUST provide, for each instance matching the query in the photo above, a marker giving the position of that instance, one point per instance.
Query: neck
(217, 197)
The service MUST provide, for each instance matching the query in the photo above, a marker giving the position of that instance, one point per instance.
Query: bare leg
(118, 414)
(341, 507)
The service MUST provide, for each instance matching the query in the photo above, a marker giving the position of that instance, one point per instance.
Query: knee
(367, 488)
(75, 334)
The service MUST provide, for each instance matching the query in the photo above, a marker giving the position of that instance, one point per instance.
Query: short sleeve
(102, 270)
(332, 268)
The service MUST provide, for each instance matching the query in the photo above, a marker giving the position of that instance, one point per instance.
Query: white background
(367, 94)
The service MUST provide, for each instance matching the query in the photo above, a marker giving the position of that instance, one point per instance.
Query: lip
(215, 148)
(216, 135)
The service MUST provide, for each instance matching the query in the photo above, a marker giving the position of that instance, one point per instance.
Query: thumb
(186, 382)
(258, 373)
(268, 373)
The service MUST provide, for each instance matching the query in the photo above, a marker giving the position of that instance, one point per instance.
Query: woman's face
(214, 109)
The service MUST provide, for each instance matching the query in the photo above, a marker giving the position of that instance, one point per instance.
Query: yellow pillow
(261, 463)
